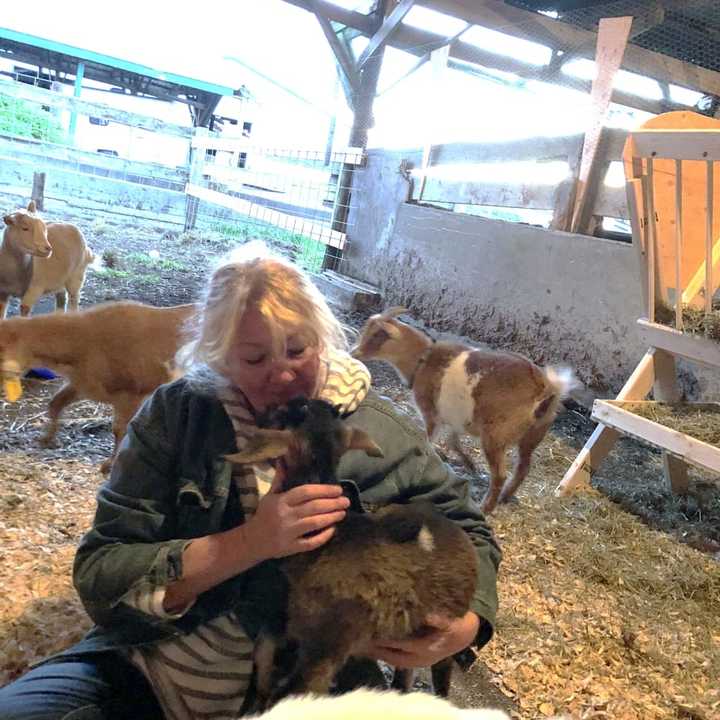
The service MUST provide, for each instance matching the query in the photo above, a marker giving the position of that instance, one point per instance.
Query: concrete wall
(554, 296)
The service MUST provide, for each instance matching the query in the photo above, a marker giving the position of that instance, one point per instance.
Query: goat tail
(89, 256)
(562, 380)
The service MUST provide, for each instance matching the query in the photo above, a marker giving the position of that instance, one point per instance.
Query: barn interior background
(469, 166)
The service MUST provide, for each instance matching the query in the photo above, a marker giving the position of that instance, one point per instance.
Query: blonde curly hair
(285, 295)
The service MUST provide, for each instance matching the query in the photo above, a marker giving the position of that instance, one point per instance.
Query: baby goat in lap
(378, 578)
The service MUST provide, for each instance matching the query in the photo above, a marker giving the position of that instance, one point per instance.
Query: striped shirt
(204, 675)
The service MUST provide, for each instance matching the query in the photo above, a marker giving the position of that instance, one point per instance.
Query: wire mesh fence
(139, 159)
(506, 76)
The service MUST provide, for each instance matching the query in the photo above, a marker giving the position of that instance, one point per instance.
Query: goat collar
(421, 361)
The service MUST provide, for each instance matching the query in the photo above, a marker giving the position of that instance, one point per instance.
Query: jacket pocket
(201, 502)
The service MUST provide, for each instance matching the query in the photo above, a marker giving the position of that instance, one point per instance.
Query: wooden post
(601, 442)
(362, 122)
(438, 62)
(79, 74)
(195, 176)
(38, 190)
(666, 389)
(612, 38)
(585, 221)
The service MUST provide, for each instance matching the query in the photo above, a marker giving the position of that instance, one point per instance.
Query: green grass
(165, 264)
(150, 278)
(28, 120)
(117, 274)
(138, 258)
(308, 253)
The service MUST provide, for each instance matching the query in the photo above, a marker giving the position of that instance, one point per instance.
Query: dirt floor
(610, 600)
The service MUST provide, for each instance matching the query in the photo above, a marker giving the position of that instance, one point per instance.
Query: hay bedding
(695, 321)
(601, 617)
(701, 423)
(47, 500)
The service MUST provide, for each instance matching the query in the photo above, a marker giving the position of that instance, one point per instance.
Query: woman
(178, 570)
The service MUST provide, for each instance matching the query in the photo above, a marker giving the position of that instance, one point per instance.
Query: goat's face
(382, 338)
(314, 444)
(28, 232)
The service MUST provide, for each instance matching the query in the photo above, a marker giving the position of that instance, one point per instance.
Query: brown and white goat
(502, 398)
(115, 353)
(377, 578)
(38, 258)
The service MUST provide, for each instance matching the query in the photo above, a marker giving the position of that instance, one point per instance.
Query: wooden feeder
(672, 170)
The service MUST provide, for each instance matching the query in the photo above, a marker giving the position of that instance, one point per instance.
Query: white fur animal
(502, 398)
(363, 704)
(38, 258)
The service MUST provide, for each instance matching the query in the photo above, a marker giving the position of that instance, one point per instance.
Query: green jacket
(170, 483)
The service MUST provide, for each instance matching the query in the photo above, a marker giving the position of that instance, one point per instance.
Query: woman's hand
(447, 637)
(275, 530)
(283, 519)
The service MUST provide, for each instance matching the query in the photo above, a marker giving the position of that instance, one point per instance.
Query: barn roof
(62, 59)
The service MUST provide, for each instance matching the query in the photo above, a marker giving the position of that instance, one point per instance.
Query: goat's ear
(394, 311)
(265, 445)
(359, 440)
(9, 219)
(31, 206)
(392, 330)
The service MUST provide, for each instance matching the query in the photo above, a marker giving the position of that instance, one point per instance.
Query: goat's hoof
(505, 499)
(47, 441)
(488, 507)
(106, 466)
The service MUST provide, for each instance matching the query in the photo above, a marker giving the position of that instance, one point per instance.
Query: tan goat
(115, 353)
(38, 258)
(502, 398)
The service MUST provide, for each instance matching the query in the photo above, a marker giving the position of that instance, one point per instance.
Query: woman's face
(266, 379)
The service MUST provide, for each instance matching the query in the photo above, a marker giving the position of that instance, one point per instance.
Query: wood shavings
(600, 616)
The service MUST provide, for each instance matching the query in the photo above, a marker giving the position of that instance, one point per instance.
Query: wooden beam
(695, 144)
(611, 42)
(640, 24)
(601, 442)
(336, 13)
(344, 60)
(666, 390)
(416, 41)
(610, 202)
(697, 348)
(38, 190)
(425, 58)
(496, 15)
(438, 62)
(614, 414)
(389, 25)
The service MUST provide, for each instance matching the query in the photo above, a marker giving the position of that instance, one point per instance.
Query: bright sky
(177, 35)
(287, 44)
(282, 41)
